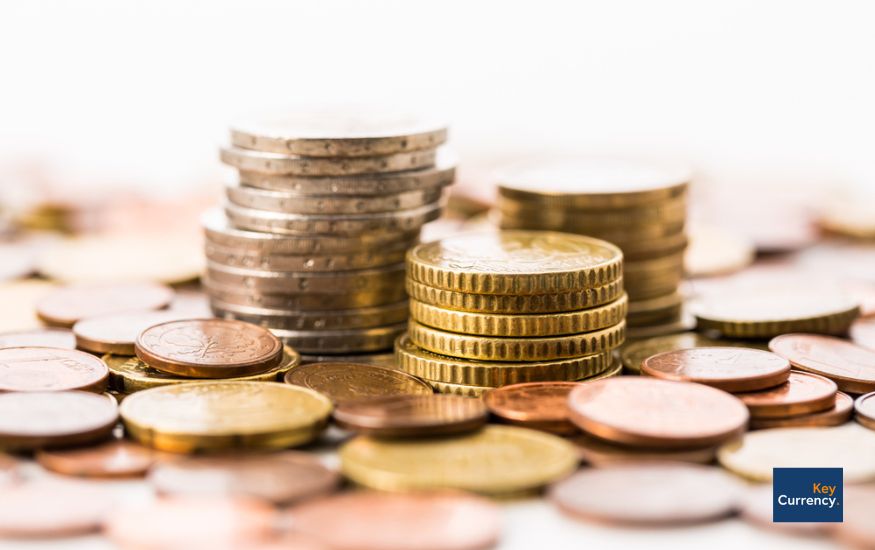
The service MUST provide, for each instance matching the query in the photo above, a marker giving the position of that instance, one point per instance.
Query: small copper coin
(850, 366)
(412, 415)
(803, 393)
(648, 412)
(356, 381)
(280, 478)
(209, 348)
(538, 405)
(386, 521)
(52, 509)
(117, 333)
(112, 459)
(597, 452)
(865, 409)
(64, 306)
(51, 369)
(648, 494)
(31, 420)
(727, 368)
(836, 415)
(40, 337)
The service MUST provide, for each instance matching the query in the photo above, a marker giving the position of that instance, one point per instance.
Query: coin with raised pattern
(33, 420)
(803, 393)
(276, 163)
(731, 369)
(850, 366)
(411, 415)
(51, 369)
(538, 405)
(66, 305)
(342, 382)
(633, 354)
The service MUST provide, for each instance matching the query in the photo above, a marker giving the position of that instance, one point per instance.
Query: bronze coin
(209, 348)
(538, 405)
(385, 521)
(864, 407)
(52, 509)
(412, 415)
(648, 412)
(342, 382)
(31, 420)
(850, 366)
(597, 452)
(803, 393)
(119, 458)
(117, 333)
(836, 415)
(280, 478)
(648, 494)
(39, 337)
(64, 306)
(727, 368)
(51, 369)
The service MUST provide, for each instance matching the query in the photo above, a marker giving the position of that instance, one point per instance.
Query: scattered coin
(40, 337)
(803, 394)
(633, 354)
(51, 369)
(112, 459)
(46, 509)
(865, 409)
(837, 415)
(598, 452)
(538, 405)
(731, 369)
(411, 415)
(342, 382)
(66, 305)
(116, 333)
(33, 420)
(850, 366)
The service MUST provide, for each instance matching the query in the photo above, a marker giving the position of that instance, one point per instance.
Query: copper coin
(649, 412)
(538, 405)
(280, 478)
(52, 509)
(857, 529)
(64, 306)
(188, 522)
(597, 452)
(648, 494)
(803, 393)
(727, 368)
(386, 521)
(51, 369)
(412, 415)
(865, 409)
(117, 333)
(356, 381)
(850, 366)
(31, 420)
(119, 458)
(40, 337)
(838, 414)
(209, 348)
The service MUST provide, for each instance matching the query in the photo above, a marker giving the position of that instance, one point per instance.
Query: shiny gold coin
(633, 354)
(514, 263)
(276, 163)
(344, 341)
(646, 249)
(343, 382)
(495, 460)
(211, 416)
(618, 235)
(667, 211)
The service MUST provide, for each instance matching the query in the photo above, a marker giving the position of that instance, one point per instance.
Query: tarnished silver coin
(290, 203)
(293, 282)
(341, 341)
(308, 301)
(314, 320)
(391, 253)
(275, 163)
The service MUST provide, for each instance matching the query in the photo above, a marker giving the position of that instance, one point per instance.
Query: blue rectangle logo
(807, 495)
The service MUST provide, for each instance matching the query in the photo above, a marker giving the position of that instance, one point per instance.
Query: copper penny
(31, 420)
(836, 415)
(597, 452)
(803, 393)
(648, 494)
(412, 415)
(280, 478)
(119, 458)
(40, 337)
(850, 366)
(52, 509)
(857, 529)
(727, 368)
(64, 306)
(865, 409)
(51, 369)
(117, 333)
(209, 348)
(538, 405)
(355, 381)
(649, 412)
(386, 521)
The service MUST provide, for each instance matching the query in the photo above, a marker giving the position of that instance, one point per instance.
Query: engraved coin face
(727, 368)
(633, 354)
(50, 369)
(117, 333)
(355, 381)
(534, 404)
(850, 366)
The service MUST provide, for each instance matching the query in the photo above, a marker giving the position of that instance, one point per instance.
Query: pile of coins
(496, 308)
(312, 240)
(637, 206)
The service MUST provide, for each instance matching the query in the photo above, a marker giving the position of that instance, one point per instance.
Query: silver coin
(392, 253)
(341, 341)
(310, 301)
(292, 282)
(314, 320)
(279, 201)
(275, 163)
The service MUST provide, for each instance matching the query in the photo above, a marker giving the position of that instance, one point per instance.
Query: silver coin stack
(312, 239)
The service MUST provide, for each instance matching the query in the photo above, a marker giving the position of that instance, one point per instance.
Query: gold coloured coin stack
(312, 239)
(496, 308)
(637, 206)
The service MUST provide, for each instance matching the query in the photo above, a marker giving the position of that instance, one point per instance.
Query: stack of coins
(637, 206)
(312, 240)
(496, 308)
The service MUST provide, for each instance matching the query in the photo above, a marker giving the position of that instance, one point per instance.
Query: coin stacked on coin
(637, 206)
(312, 240)
(496, 308)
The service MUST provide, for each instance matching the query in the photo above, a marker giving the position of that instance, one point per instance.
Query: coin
(66, 305)
(862, 332)
(568, 222)
(837, 415)
(598, 453)
(865, 409)
(367, 520)
(281, 478)
(18, 299)
(672, 210)
(850, 366)
(33, 420)
(209, 348)
(117, 332)
(291, 282)
(850, 447)
(538, 405)
(276, 163)
(684, 324)
(655, 310)
(39, 337)
(343, 341)
(648, 494)
(731, 369)
(803, 393)
(411, 415)
(46, 509)
(388, 254)
(51, 369)
(379, 359)
(291, 203)
(314, 320)
(715, 251)
(113, 459)
(633, 354)
(495, 460)
(651, 412)
(308, 301)
(342, 382)
(210, 416)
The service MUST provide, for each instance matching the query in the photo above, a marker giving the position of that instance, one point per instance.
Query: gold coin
(685, 323)
(495, 460)
(276, 163)
(341, 341)
(515, 262)
(655, 310)
(644, 249)
(553, 324)
(667, 211)
(378, 359)
(644, 287)
(618, 235)
(633, 354)
(211, 416)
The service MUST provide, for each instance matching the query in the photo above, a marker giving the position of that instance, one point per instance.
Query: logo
(807, 495)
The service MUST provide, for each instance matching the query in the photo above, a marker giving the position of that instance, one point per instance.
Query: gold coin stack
(637, 206)
(312, 240)
(496, 308)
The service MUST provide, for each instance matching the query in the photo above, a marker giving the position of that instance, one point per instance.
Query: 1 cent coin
(837, 415)
(727, 368)
(117, 333)
(209, 348)
(31, 420)
(52, 509)
(51, 369)
(411, 415)
(64, 306)
(112, 459)
(40, 337)
(850, 366)
(356, 381)
(538, 405)
(803, 393)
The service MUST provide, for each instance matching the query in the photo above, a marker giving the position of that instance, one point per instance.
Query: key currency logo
(807, 495)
